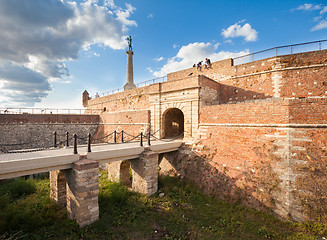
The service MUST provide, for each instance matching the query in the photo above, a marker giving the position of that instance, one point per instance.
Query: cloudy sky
(52, 50)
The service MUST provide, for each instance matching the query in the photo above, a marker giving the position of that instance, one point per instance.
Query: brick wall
(296, 75)
(136, 99)
(36, 130)
(266, 154)
(132, 122)
(263, 112)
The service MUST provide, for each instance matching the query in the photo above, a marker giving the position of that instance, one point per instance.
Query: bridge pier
(145, 173)
(114, 171)
(82, 183)
(58, 187)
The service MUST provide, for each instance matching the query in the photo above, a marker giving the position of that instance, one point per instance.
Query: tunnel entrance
(173, 123)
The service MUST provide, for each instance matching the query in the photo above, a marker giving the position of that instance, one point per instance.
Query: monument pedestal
(129, 86)
(130, 78)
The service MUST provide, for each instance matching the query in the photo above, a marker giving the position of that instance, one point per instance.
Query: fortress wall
(256, 112)
(295, 75)
(308, 153)
(132, 122)
(307, 74)
(47, 118)
(309, 110)
(180, 84)
(264, 154)
(209, 92)
(37, 129)
(135, 99)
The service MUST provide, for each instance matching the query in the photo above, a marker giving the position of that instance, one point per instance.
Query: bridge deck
(20, 164)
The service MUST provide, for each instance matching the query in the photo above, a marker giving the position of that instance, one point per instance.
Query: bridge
(74, 171)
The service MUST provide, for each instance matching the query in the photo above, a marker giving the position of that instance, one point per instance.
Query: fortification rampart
(268, 154)
(288, 76)
(36, 130)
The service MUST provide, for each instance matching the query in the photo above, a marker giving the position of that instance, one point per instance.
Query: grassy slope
(183, 213)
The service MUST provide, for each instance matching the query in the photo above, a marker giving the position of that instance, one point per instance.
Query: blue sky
(51, 51)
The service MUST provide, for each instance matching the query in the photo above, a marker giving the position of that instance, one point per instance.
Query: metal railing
(115, 137)
(281, 50)
(48, 111)
(141, 84)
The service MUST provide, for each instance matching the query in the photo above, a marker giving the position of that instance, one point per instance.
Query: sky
(53, 50)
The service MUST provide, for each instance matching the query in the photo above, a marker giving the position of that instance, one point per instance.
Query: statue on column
(129, 39)
(129, 76)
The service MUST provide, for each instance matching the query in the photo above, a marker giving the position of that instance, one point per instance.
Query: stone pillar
(58, 187)
(113, 169)
(119, 172)
(83, 192)
(145, 173)
(130, 78)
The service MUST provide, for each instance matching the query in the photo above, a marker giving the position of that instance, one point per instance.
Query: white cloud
(309, 7)
(159, 59)
(318, 18)
(193, 53)
(324, 10)
(150, 15)
(175, 45)
(236, 30)
(45, 34)
(321, 25)
(123, 15)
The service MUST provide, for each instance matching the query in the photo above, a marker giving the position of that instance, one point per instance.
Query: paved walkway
(82, 150)
(20, 164)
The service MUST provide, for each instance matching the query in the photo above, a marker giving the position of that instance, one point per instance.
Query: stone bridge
(74, 178)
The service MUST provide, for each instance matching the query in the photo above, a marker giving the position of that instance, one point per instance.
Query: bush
(18, 187)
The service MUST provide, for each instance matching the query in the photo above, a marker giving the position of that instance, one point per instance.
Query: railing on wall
(141, 84)
(281, 50)
(271, 52)
(114, 137)
(48, 111)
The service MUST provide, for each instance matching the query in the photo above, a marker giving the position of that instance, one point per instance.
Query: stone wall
(132, 122)
(270, 154)
(36, 130)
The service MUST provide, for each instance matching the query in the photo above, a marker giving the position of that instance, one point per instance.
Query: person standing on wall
(208, 63)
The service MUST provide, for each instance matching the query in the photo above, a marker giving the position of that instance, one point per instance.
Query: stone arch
(172, 123)
(125, 173)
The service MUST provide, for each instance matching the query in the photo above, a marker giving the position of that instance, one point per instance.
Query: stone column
(58, 187)
(145, 173)
(83, 192)
(113, 169)
(130, 78)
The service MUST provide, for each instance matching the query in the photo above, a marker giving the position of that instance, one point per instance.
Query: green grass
(183, 213)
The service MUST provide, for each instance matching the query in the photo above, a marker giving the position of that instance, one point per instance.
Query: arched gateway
(173, 123)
